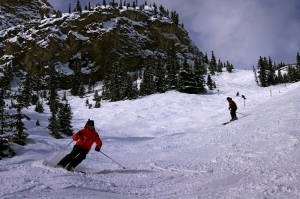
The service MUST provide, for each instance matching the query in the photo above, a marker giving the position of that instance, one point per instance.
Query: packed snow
(173, 145)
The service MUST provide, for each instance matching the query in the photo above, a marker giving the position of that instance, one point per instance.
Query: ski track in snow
(173, 146)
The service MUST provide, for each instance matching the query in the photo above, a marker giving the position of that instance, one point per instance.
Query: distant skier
(84, 140)
(244, 98)
(232, 108)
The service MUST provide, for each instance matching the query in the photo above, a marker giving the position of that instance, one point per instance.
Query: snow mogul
(84, 138)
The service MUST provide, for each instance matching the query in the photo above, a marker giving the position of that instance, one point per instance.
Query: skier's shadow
(124, 171)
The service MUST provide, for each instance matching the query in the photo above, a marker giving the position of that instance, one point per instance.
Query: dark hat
(90, 123)
(228, 98)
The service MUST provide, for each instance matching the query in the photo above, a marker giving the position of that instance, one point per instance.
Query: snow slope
(173, 146)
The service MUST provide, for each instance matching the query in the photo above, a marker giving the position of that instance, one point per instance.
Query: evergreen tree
(160, 78)
(39, 107)
(75, 64)
(210, 83)
(70, 8)
(52, 82)
(34, 99)
(20, 135)
(182, 26)
(131, 91)
(175, 17)
(220, 66)
(64, 98)
(76, 86)
(262, 72)
(97, 104)
(120, 4)
(7, 77)
(147, 86)
(64, 118)
(205, 59)
(298, 66)
(24, 98)
(162, 10)
(78, 7)
(279, 76)
(271, 72)
(199, 75)
(104, 3)
(97, 99)
(292, 74)
(90, 8)
(229, 67)
(188, 82)
(90, 86)
(54, 126)
(96, 95)
(172, 67)
(81, 91)
(117, 85)
(213, 64)
(111, 85)
(53, 101)
(155, 9)
(44, 94)
(5, 125)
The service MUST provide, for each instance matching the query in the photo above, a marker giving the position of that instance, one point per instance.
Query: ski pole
(60, 153)
(69, 143)
(113, 160)
(241, 113)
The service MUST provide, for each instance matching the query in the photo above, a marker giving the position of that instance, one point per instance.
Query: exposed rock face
(16, 12)
(92, 41)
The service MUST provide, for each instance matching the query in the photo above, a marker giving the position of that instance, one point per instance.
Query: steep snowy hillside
(173, 146)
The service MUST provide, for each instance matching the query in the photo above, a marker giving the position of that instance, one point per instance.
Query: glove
(97, 148)
(79, 133)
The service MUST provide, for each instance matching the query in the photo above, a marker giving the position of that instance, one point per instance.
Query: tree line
(157, 10)
(268, 73)
(32, 90)
(160, 75)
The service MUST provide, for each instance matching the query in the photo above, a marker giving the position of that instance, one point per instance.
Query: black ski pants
(74, 158)
(233, 114)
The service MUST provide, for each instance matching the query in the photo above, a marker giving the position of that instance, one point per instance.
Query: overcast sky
(237, 30)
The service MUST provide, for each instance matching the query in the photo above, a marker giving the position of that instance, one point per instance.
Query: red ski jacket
(86, 138)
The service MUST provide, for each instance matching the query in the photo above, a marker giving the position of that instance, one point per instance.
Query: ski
(229, 122)
(78, 171)
(226, 122)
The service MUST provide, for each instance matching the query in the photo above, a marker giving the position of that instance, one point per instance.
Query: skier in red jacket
(84, 138)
